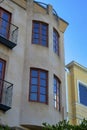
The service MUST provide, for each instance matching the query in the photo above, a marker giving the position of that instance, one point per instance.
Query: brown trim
(4, 63)
(3, 76)
(57, 95)
(9, 21)
(58, 36)
(38, 85)
(39, 33)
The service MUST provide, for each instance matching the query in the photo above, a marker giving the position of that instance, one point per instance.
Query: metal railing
(45, 7)
(6, 90)
(8, 30)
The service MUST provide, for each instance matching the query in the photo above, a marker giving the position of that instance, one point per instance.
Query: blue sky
(75, 37)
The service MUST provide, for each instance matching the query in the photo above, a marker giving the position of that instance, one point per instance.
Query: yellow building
(76, 92)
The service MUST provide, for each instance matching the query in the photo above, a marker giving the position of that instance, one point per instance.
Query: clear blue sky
(75, 13)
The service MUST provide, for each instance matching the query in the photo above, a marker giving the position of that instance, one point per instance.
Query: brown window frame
(39, 93)
(2, 72)
(56, 41)
(2, 11)
(38, 34)
(56, 93)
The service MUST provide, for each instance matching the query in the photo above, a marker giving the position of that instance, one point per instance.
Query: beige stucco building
(76, 86)
(32, 81)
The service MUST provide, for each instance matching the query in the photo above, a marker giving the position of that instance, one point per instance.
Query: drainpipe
(66, 85)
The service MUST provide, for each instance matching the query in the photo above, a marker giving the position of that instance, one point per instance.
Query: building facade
(32, 81)
(76, 92)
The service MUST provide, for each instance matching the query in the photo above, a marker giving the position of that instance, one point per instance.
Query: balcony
(8, 33)
(6, 89)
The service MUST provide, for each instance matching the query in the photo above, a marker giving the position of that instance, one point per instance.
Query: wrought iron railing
(6, 90)
(45, 6)
(8, 30)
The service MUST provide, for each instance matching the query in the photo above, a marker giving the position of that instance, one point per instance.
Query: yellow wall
(76, 73)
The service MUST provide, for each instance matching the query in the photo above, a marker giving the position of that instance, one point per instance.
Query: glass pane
(42, 90)
(34, 81)
(36, 25)
(34, 88)
(44, 37)
(44, 27)
(5, 16)
(1, 66)
(83, 94)
(36, 41)
(36, 35)
(42, 82)
(4, 24)
(42, 98)
(55, 89)
(33, 96)
(36, 30)
(34, 73)
(44, 43)
(44, 32)
(43, 75)
(3, 32)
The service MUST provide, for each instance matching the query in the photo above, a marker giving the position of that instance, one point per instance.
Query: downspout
(66, 85)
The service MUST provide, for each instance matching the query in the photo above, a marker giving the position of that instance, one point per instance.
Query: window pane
(44, 32)
(33, 96)
(0, 66)
(42, 98)
(3, 32)
(55, 90)
(36, 30)
(83, 94)
(36, 25)
(42, 90)
(42, 82)
(34, 81)
(44, 43)
(34, 73)
(5, 16)
(44, 27)
(34, 88)
(36, 35)
(44, 38)
(43, 75)
(55, 41)
(4, 24)
(36, 41)
(39, 33)
(38, 90)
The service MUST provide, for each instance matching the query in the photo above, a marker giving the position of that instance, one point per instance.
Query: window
(55, 42)
(5, 18)
(56, 92)
(38, 86)
(40, 33)
(2, 73)
(82, 94)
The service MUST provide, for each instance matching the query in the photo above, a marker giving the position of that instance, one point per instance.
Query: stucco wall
(44, 58)
(26, 55)
(14, 62)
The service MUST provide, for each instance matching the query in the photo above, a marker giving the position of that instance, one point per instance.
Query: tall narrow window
(2, 73)
(40, 33)
(38, 86)
(5, 18)
(55, 41)
(56, 92)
